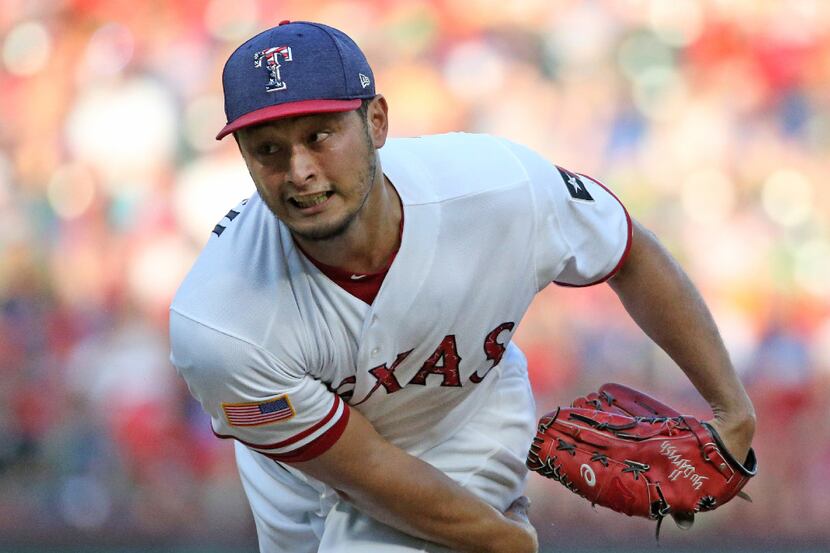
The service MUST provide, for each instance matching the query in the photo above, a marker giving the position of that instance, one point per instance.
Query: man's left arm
(661, 299)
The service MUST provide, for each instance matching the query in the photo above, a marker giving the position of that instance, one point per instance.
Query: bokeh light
(708, 196)
(429, 105)
(5, 180)
(580, 38)
(157, 268)
(700, 137)
(85, 502)
(474, 70)
(71, 190)
(823, 347)
(206, 190)
(641, 52)
(109, 51)
(203, 118)
(678, 23)
(231, 20)
(787, 197)
(659, 93)
(812, 267)
(124, 130)
(26, 49)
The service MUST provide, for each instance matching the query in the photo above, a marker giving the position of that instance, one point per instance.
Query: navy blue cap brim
(291, 109)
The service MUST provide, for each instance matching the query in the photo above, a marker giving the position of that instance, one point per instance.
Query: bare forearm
(435, 508)
(665, 304)
(414, 497)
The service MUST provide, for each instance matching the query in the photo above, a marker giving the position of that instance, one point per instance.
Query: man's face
(314, 172)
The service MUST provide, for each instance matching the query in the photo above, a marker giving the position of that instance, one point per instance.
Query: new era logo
(364, 80)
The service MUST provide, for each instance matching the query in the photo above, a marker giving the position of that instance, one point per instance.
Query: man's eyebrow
(262, 127)
(328, 117)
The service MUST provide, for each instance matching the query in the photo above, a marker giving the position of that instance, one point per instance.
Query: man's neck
(371, 239)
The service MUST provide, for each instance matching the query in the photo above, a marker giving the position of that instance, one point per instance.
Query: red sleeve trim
(629, 236)
(304, 433)
(318, 446)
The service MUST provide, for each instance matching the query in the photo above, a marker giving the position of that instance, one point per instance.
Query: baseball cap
(295, 68)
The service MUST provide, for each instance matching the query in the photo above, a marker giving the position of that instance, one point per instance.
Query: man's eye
(319, 136)
(268, 148)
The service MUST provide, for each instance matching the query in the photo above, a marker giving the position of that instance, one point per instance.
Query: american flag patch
(256, 414)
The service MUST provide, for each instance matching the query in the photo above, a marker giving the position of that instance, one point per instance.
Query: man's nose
(302, 167)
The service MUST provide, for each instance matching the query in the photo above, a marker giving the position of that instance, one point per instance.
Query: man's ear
(377, 118)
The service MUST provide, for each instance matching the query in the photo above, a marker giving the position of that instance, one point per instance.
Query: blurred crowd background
(709, 118)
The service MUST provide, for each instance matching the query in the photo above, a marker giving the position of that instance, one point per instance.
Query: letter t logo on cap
(272, 62)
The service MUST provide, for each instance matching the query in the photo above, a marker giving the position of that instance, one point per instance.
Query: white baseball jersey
(277, 353)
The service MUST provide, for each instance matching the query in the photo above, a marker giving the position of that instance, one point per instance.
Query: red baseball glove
(625, 450)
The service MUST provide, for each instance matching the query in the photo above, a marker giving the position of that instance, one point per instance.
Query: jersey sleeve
(582, 232)
(254, 397)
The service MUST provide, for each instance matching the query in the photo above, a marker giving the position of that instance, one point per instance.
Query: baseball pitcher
(349, 325)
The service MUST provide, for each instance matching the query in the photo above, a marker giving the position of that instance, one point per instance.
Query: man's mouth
(310, 200)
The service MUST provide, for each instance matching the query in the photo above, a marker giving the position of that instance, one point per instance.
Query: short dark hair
(364, 109)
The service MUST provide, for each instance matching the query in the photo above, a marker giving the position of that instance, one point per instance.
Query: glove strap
(748, 468)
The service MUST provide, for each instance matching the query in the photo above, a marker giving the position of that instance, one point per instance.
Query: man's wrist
(513, 537)
(738, 415)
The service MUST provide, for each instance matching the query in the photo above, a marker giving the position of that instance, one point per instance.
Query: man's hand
(736, 433)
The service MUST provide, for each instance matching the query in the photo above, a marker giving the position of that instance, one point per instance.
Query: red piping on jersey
(304, 433)
(367, 285)
(627, 249)
(364, 288)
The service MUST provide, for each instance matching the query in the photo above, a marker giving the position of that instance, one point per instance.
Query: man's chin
(321, 233)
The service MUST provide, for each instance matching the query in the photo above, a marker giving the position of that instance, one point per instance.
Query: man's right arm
(414, 497)
(315, 431)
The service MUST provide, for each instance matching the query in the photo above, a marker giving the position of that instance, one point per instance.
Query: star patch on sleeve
(576, 188)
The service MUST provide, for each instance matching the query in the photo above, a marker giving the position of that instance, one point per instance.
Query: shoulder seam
(224, 333)
(509, 184)
(534, 201)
